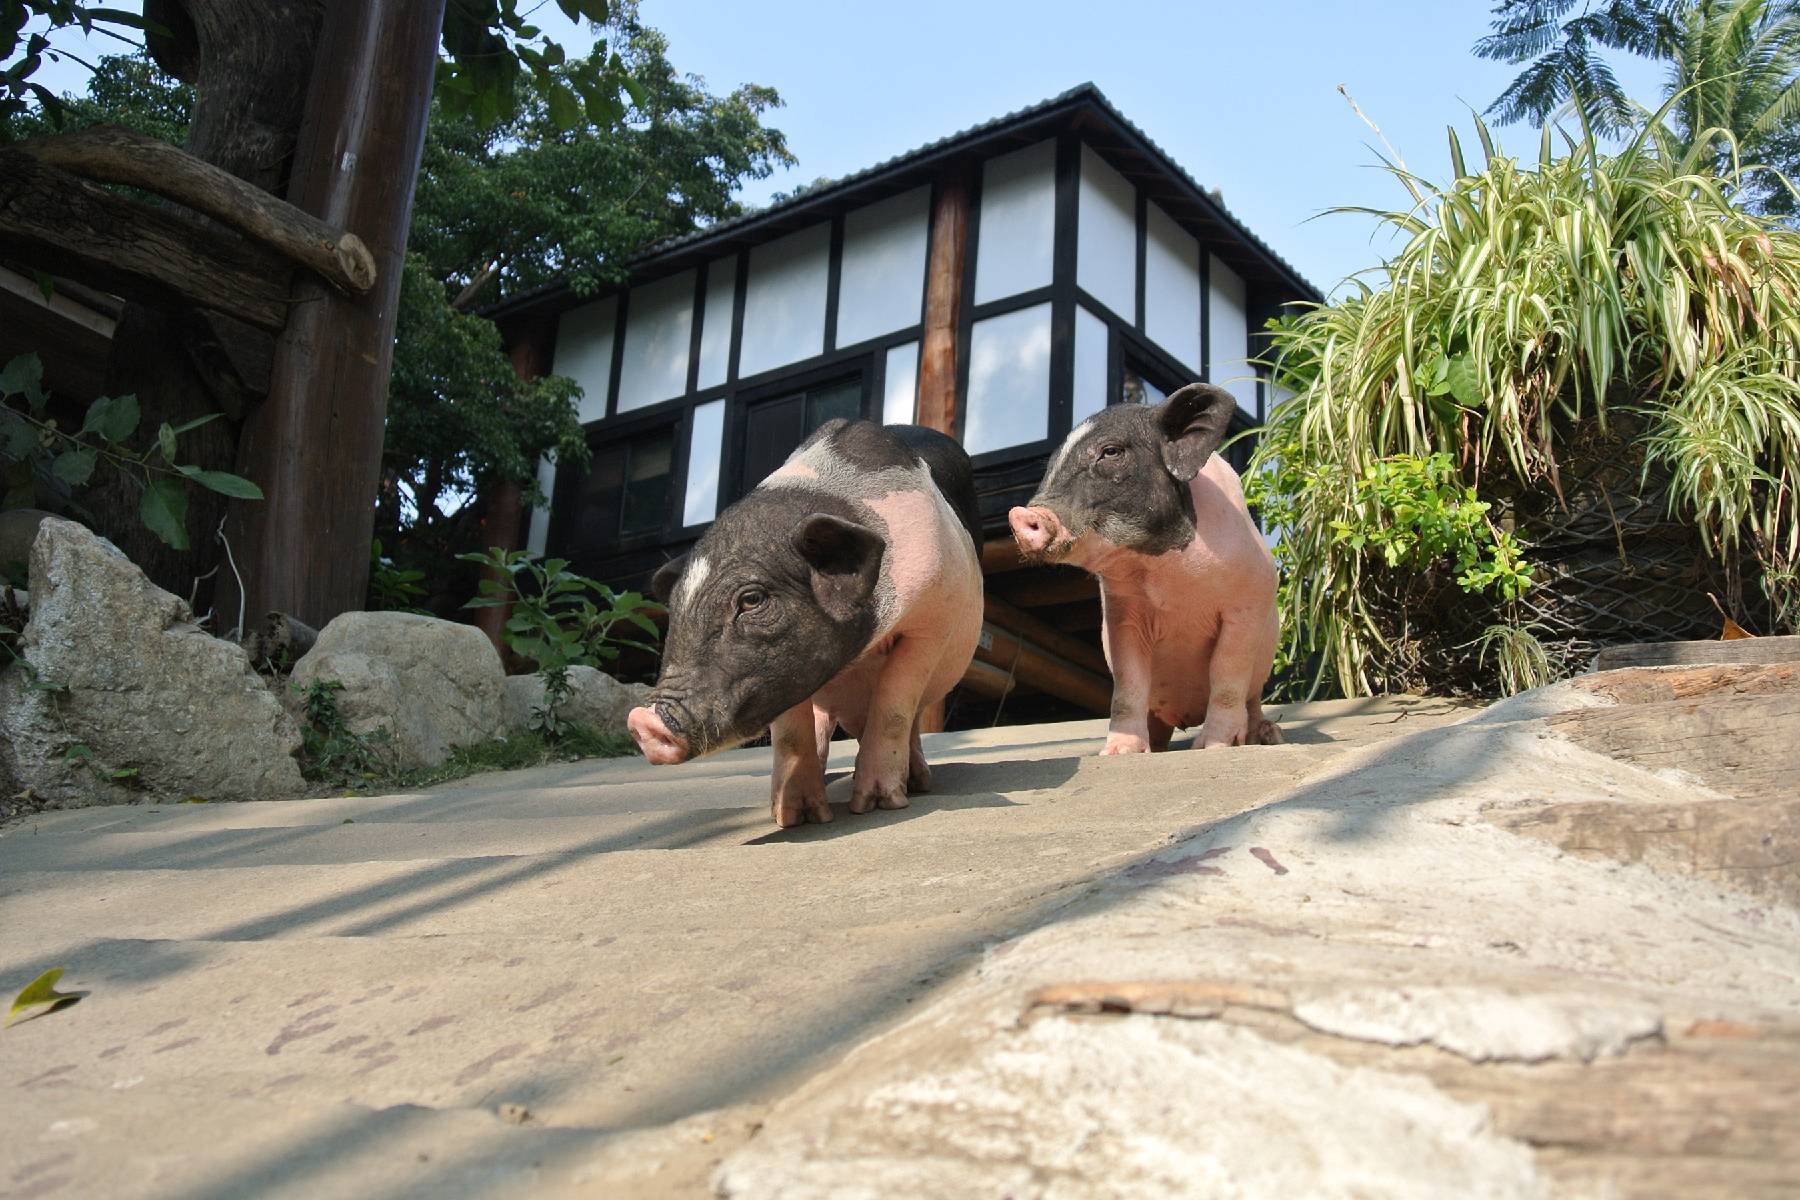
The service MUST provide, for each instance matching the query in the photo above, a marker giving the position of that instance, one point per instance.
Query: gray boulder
(432, 685)
(596, 700)
(126, 697)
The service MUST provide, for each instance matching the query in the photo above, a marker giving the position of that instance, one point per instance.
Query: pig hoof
(918, 777)
(861, 802)
(787, 818)
(878, 796)
(819, 812)
(1125, 743)
(894, 799)
(1267, 734)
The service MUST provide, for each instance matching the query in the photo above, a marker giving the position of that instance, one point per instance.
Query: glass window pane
(705, 447)
(900, 401)
(842, 399)
(1017, 232)
(584, 351)
(1135, 389)
(715, 329)
(1009, 380)
(1171, 287)
(658, 325)
(1106, 237)
(882, 286)
(784, 303)
(1090, 365)
(647, 480)
(1229, 334)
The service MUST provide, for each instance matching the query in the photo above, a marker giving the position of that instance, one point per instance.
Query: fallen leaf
(39, 992)
(1733, 631)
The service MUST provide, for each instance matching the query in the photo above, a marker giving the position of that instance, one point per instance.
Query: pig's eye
(751, 598)
(1111, 451)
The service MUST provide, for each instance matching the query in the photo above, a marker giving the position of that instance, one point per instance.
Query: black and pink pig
(845, 590)
(1137, 497)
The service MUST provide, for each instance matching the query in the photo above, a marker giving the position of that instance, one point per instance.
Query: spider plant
(1530, 304)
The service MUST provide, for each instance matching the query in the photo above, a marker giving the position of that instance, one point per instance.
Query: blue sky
(1243, 95)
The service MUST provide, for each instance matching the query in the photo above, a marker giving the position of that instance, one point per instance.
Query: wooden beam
(110, 154)
(1031, 664)
(314, 445)
(990, 683)
(999, 555)
(1013, 620)
(1043, 589)
(56, 222)
(944, 299)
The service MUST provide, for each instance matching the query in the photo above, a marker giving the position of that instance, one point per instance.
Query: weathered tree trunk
(249, 62)
(314, 445)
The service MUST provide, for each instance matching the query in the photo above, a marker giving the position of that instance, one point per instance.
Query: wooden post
(944, 299)
(314, 445)
(503, 523)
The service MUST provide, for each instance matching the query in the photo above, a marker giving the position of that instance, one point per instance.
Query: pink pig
(1138, 497)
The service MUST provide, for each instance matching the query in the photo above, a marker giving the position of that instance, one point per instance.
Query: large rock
(433, 685)
(131, 698)
(596, 700)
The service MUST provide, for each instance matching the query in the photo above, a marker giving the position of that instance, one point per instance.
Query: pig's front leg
(1232, 674)
(797, 787)
(883, 759)
(1128, 654)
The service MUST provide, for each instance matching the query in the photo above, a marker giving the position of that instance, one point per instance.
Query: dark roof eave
(826, 200)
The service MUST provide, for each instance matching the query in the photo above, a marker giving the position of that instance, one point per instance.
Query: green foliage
(559, 619)
(1561, 41)
(1520, 661)
(44, 463)
(1418, 512)
(331, 752)
(391, 588)
(21, 53)
(1527, 307)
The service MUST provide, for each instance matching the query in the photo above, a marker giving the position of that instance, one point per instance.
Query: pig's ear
(662, 584)
(1193, 423)
(844, 559)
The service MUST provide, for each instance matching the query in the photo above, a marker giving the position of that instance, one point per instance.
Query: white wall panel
(1171, 287)
(715, 329)
(882, 286)
(1009, 380)
(900, 391)
(784, 304)
(1106, 236)
(538, 532)
(1228, 332)
(705, 449)
(584, 351)
(659, 325)
(1090, 365)
(1016, 238)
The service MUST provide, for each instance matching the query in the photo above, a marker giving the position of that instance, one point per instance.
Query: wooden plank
(1014, 620)
(999, 555)
(1045, 586)
(944, 299)
(1664, 654)
(53, 221)
(1033, 665)
(988, 682)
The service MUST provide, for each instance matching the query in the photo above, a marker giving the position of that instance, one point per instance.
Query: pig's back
(949, 465)
(1226, 538)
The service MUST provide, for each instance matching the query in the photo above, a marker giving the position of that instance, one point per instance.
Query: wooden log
(314, 445)
(999, 555)
(1045, 587)
(1014, 620)
(988, 682)
(54, 221)
(110, 154)
(944, 271)
(1045, 671)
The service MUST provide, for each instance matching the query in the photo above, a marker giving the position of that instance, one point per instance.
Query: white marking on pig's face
(1069, 444)
(692, 580)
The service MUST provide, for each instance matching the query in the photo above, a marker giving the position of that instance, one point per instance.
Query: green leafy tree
(503, 207)
(1733, 81)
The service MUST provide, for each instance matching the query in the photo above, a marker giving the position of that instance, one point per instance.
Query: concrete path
(590, 979)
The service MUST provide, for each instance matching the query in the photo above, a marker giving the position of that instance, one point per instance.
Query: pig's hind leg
(918, 771)
(797, 787)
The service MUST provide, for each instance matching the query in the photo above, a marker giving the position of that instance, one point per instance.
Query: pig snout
(653, 737)
(1035, 529)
